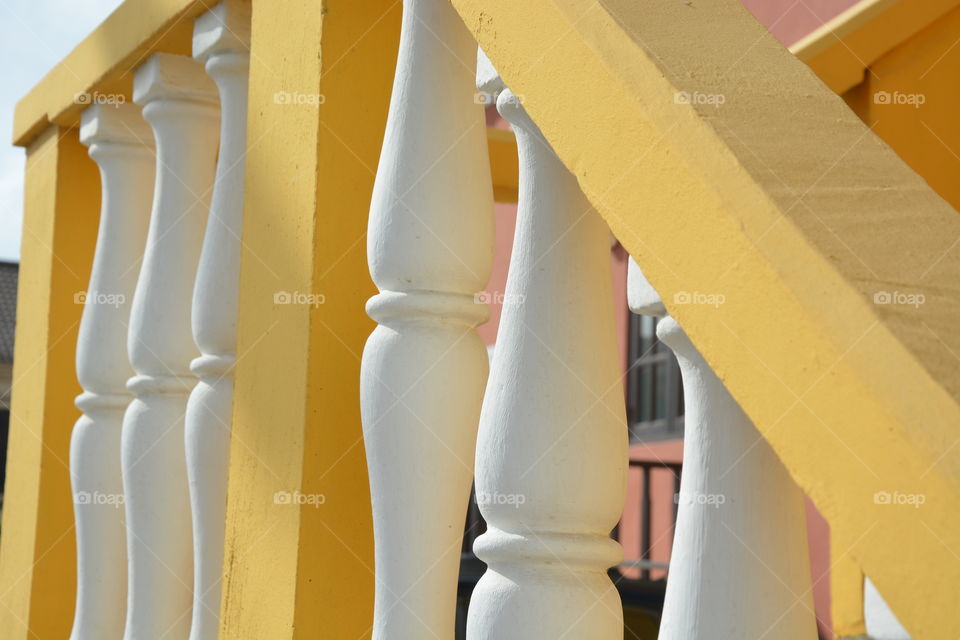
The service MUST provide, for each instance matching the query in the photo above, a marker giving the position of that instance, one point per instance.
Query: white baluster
(121, 144)
(430, 247)
(881, 621)
(180, 103)
(739, 567)
(552, 450)
(222, 40)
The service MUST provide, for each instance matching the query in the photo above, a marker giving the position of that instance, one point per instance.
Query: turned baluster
(739, 567)
(552, 449)
(430, 248)
(180, 103)
(880, 620)
(121, 144)
(221, 40)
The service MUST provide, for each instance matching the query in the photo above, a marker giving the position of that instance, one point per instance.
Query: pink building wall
(791, 20)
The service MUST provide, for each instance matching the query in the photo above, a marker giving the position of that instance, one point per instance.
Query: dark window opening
(654, 389)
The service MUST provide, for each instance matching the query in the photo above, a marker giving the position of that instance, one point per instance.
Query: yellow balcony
(812, 189)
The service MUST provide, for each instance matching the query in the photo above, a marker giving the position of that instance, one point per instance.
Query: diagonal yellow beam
(726, 167)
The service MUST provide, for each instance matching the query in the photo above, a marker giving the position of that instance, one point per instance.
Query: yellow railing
(309, 175)
(855, 398)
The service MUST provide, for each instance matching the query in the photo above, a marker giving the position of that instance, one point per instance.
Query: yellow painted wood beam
(725, 166)
(38, 547)
(846, 595)
(910, 100)
(504, 164)
(104, 62)
(842, 50)
(304, 569)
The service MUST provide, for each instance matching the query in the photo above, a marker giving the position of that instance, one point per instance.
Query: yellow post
(37, 549)
(909, 101)
(846, 595)
(299, 547)
(504, 164)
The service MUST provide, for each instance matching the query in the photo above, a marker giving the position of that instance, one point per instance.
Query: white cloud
(34, 36)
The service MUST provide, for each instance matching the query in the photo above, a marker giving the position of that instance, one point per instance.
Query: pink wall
(661, 505)
(790, 20)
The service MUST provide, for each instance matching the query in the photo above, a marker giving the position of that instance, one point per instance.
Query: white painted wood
(881, 621)
(489, 81)
(642, 298)
(180, 103)
(430, 249)
(552, 449)
(121, 144)
(221, 40)
(739, 567)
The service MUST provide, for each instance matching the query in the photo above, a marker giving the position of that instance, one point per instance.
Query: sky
(34, 36)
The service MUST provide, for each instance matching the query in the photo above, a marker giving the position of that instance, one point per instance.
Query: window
(654, 390)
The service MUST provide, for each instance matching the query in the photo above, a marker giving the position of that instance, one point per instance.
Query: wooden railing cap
(642, 298)
(488, 78)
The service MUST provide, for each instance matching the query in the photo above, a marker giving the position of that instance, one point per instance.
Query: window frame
(647, 353)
